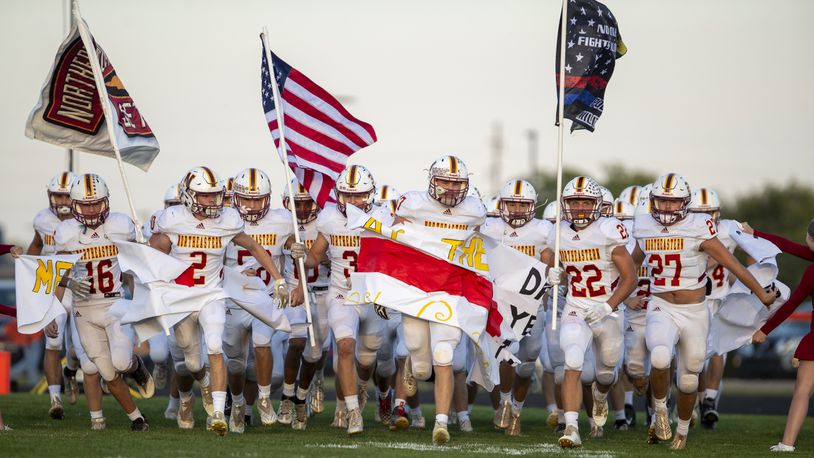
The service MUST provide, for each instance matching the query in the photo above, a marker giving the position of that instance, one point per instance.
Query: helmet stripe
(669, 182)
(634, 196)
(88, 185)
(63, 180)
(210, 177)
(580, 184)
(704, 197)
(453, 165)
(384, 192)
(518, 187)
(619, 207)
(352, 176)
(252, 179)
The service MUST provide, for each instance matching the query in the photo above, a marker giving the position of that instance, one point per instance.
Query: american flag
(320, 133)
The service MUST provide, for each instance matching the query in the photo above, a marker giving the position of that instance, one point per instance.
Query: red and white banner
(489, 291)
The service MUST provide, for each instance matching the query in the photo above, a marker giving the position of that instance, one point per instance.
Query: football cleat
(317, 396)
(560, 428)
(237, 421)
(514, 425)
(399, 419)
(56, 411)
(408, 378)
(186, 418)
(465, 426)
(600, 409)
(97, 424)
(552, 419)
(597, 431)
(651, 435)
(663, 431)
(300, 420)
(570, 438)
(781, 447)
(362, 391)
(267, 415)
(218, 424)
(709, 414)
(171, 412)
(340, 419)
(385, 410)
(630, 415)
(139, 425)
(285, 414)
(160, 371)
(679, 442)
(440, 434)
(621, 425)
(143, 379)
(355, 423)
(206, 395)
(502, 415)
(71, 386)
(419, 422)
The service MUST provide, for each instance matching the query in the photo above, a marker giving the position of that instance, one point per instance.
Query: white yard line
(469, 447)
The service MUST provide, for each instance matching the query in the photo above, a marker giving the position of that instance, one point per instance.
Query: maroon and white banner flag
(69, 111)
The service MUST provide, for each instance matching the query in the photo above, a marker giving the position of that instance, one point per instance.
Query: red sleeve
(804, 289)
(5, 249)
(796, 249)
(8, 311)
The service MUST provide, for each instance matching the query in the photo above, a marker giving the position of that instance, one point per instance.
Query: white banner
(36, 279)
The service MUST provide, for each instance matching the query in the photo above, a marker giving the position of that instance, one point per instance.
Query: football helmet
(670, 198)
(60, 185)
(354, 181)
(228, 192)
(386, 193)
(581, 188)
(304, 205)
(200, 183)
(492, 207)
(631, 194)
(448, 170)
(90, 202)
(607, 202)
(550, 212)
(705, 200)
(623, 209)
(251, 185)
(172, 196)
(517, 202)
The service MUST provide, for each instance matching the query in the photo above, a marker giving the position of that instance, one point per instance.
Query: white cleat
(218, 424)
(597, 431)
(440, 434)
(466, 426)
(286, 412)
(206, 395)
(663, 431)
(267, 414)
(781, 447)
(171, 412)
(418, 422)
(340, 419)
(237, 420)
(408, 378)
(355, 423)
(570, 438)
(300, 421)
(317, 399)
(97, 424)
(186, 417)
(600, 409)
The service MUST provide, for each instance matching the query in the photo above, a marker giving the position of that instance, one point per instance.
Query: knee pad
(559, 375)
(181, 369)
(312, 354)
(525, 370)
(106, 369)
(54, 344)
(236, 366)
(158, 353)
(214, 344)
(386, 368)
(688, 383)
(574, 358)
(606, 378)
(121, 360)
(193, 363)
(660, 357)
(442, 354)
(88, 367)
(367, 347)
(422, 370)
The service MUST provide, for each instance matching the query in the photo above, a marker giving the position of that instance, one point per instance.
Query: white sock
(185, 395)
(249, 411)
(660, 403)
(134, 414)
(683, 427)
(598, 395)
(560, 416)
(469, 408)
(517, 406)
(505, 397)
(54, 390)
(352, 402)
(401, 402)
(205, 380)
(96, 414)
(288, 390)
(442, 419)
(302, 393)
(710, 393)
(463, 416)
(238, 399)
(219, 400)
(571, 419)
(619, 414)
(173, 403)
(264, 390)
(552, 408)
(629, 397)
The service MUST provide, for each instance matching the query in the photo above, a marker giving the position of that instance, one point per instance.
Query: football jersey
(45, 224)
(99, 255)
(419, 208)
(587, 257)
(716, 272)
(148, 227)
(643, 283)
(318, 276)
(270, 232)
(343, 244)
(672, 253)
(201, 243)
(530, 239)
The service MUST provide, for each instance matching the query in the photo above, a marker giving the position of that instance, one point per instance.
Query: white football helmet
(493, 207)
(607, 202)
(623, 209)
(60, 185)
(524, 197)
(670, 198)
(385, 194)
(355, 181)
(581, 188)
(304, 205)
(447, 170)
(199, 183)
(228, 192)
(550, 212)
(251, 185)
(705, 200)
(90, 201)
(644, 193)
(631, 194)
(172, 196)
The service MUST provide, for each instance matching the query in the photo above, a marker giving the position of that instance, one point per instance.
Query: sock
(384, 394)
(463, 416)
(560, 416)
(185, 395)
(134, 414)
(683, 427)
(249, 411)
(416, 413)
(302, 393)
(238, 399)
(517, 406)
(264, 391)
(571, 419)
(219, 400)
(598, 395)
(552, 408)
(469, 408)
(288, 390)
(340, 405)
(401, 402)
(173, 403)
(619, 414)
(352, 402)
(96, 414)
(54, 390)
(442, 419)
(629, 397)
(505, 397)
(710, 393)
(205, 380)
(660, 403)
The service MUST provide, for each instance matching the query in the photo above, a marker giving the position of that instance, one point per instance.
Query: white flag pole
(283, 152)
(560, 135)
(70, 154)
(87, 40)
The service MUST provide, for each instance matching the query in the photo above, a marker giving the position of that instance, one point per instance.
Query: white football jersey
(99, 259)
(587, 258)
(672, 253)
(530, 239)
(318, 276)
(148, 227)
(45, 223)
(271, 232)
(716, 272)
(202, 243)
(343, 244)
(459, 221)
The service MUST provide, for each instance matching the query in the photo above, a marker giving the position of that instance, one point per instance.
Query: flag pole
(105, 102)
(560, 135)
(68, 22)
(283, 152)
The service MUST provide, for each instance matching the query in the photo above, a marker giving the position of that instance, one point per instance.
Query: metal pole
(560, 135)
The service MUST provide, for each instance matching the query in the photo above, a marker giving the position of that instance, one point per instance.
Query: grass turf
(37, 435)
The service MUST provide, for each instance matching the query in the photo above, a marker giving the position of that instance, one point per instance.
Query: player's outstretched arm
(258, 253)
(35, 247)
(715, 249)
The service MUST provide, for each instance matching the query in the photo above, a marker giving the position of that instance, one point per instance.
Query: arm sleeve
(8, 311)
(5, 248)
(803, 290)
(796, 249)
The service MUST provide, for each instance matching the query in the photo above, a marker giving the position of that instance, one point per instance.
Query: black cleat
(143, 379)
(140, 424)
(709, 413)
(560, 428)
(630, 415)
(621, 424)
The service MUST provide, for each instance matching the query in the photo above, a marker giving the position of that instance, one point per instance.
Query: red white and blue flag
(320, 133)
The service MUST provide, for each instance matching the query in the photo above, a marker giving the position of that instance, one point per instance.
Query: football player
(198, 233)
(676, 246)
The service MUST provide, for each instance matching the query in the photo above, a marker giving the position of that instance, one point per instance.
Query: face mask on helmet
(668, 210)
(581, 211)
(516, 212)
(91, 213)
(361, 200)
(252, 208)
(448, 191)
(60, 203)
(202, 193)
(209, 204)
(355, 186)
(305, 208)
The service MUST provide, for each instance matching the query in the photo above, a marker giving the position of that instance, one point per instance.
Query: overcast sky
(716, 90)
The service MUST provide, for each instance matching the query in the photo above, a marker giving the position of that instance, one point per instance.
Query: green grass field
(36, 435)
